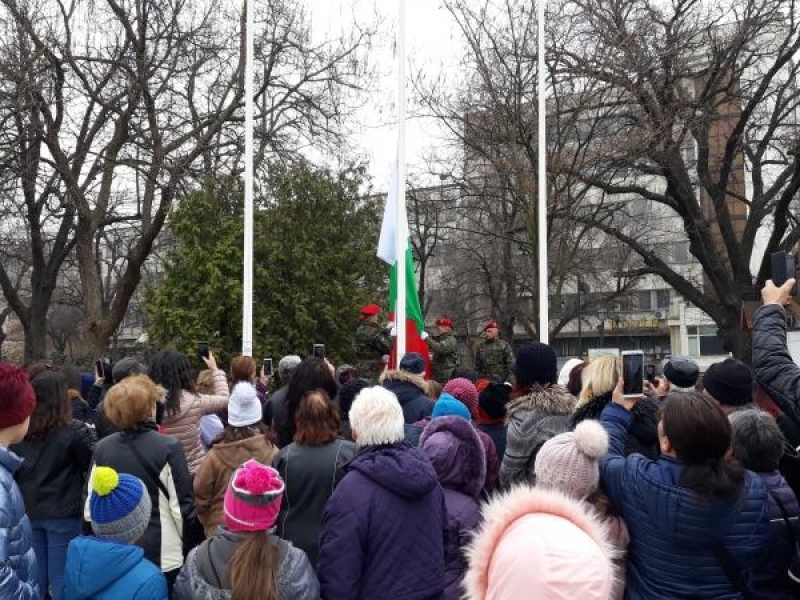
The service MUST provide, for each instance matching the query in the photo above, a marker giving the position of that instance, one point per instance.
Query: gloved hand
(385, 359)
(393, 330)
(390, 325)
(424, 335)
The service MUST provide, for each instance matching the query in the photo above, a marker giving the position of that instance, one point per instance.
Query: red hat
(444, 322)
(491, 325)
(369, 310)
(17, 398)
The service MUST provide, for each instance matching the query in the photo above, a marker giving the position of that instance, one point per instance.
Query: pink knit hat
(464, 390)
(539, 544)
(253, 498)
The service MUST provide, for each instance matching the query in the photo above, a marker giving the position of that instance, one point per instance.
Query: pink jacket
(538, 543)
(185, 425)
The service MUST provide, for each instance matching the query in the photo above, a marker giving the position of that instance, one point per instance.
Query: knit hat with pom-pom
(119, 505)
(568, 461)
(464, 390)
(253, 498)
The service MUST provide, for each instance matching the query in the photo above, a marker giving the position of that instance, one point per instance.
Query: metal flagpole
(544, 321)
(247, 280)
(401, 240)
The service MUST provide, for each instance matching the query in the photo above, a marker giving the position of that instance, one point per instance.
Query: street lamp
(583, 288)
(602, 313)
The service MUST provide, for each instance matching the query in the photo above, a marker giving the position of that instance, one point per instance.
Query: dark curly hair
(172, 371)
(53, 409)
(311, 374)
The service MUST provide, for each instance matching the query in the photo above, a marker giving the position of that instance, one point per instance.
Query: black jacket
(410, 392)
(775, 371)
(162, 459)
(96, 394)
(54, 471)
(102, 423)
(643, 432)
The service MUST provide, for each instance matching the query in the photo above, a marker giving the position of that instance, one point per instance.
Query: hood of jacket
(504, 510)
(403, 384)
(551, 399)
(644, 426)
(456, 453)
(399, 468)
(96, 563)
(233, 454)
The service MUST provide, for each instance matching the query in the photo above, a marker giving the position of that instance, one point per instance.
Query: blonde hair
(205, 382)
(131, 401)
(599, 378)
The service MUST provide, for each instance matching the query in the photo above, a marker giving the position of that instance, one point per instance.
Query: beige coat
(185, 425)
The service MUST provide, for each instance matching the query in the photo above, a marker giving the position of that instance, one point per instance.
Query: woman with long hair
(698, 522)
(57, 452)
(244, 437)
(243, 561)
(311, 466)
(184, 406)
(311, 374)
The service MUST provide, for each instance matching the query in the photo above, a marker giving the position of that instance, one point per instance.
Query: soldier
(445, 350)
(494, 356)
(372, 343)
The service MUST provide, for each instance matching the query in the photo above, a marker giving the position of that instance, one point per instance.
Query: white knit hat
(376, 417)
(244, 407)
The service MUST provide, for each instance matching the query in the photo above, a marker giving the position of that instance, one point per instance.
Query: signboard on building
(598, 352)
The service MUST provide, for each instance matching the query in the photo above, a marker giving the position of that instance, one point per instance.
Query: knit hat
(568, 461)
(119, 505)
(130, 365)
(730, 382)
(493, 399)
(376, 417)
(287, 365)
(681, 372)
(564, 373)
(536, 363)
(412, 362)
(464, 390)
(447, 406)
(253, 498)
(17, 398)
(244, 407)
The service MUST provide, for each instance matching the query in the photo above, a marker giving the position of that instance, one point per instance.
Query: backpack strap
(151, 473)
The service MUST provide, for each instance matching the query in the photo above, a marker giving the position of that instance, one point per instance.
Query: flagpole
(247, 280)
(401, 240)
(544, 321)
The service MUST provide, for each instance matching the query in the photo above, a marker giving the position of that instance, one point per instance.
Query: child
(109, 565)
(17, 559)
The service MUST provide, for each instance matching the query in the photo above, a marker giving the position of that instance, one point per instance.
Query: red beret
(370, 309)
(491, 325)
(444, 322)
(17, 398)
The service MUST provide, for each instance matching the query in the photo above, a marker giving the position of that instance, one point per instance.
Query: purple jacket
(770, 580)
(383, 531)
(456, 453)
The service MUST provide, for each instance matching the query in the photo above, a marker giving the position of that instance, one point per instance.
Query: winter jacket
(771, 579)
(643, 433)
(80, 408)
(17, 559)
(103, 425)
(54, 471)
(496, 431)
(775, 371)
(270, 409)
(411, 392)
(384, 530)
(492, 462)
(456, 453)
(215, 473)
(96, 394)
(106, 570)
(310, 474)
(205, 574)
(185, 424)
(673, 532)
(162, 460)
(532, 420)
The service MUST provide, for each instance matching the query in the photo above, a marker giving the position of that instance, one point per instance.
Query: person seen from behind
(348, 393)
(245, 560)
(124, 368)
(18, 568)
(286, 367)
(679, 374)
(311, 374)
(407, 382)
(490, 416)
(109, 566)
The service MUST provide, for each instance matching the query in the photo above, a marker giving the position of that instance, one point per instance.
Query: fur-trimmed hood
(521, 541)
(403, 376)
(552, 399)
(456, 453)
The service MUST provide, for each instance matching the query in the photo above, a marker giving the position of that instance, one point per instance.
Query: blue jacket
(775, 371)
(673, 532)
(17, 560)
(384, 529)
(103, 569)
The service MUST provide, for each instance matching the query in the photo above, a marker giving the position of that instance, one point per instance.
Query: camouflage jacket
(494, 359)
(371, 343)
(445, 356)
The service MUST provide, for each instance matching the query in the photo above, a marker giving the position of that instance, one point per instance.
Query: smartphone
(98, 368)
(268, 366)
(319, 350)
(650, 373)
(783, 269)
(202, 349)
(633, 373)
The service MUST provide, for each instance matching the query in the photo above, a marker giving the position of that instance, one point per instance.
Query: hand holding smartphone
(318, 351)
(633, 373)
(267, 367)
(202, 349)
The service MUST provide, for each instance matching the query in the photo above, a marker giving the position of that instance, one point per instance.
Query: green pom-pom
(105, 480)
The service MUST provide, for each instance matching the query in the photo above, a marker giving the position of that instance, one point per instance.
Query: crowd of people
(519, 480)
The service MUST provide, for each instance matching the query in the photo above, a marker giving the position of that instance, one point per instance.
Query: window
(704, 340)
(680, 252)
(662, 298)
(645, 300)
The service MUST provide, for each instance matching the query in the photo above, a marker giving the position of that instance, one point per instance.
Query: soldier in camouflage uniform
(494, 356)
(445, 351)
(372, 343)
